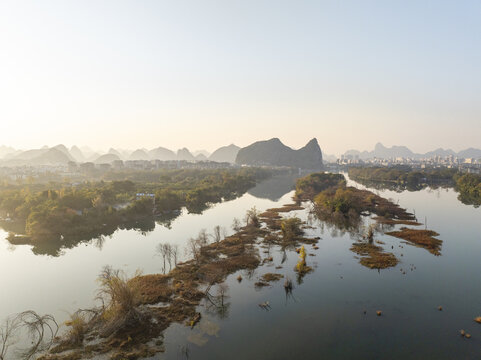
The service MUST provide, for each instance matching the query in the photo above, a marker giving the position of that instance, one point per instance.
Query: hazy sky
(203, 74)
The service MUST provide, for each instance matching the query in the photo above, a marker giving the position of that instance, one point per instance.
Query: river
(324, 317)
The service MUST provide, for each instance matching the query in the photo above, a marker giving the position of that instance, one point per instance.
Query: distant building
(72, 166)
(88, 166)
(104, 167)
(117, 164)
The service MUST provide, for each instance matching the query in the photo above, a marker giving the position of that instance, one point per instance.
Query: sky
(203, 74)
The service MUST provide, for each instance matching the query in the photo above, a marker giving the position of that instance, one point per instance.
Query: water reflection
(56, 247)
(472, 198)
(216, 300)
(273, 189)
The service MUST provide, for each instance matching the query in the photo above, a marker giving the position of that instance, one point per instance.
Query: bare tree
(7, 335)
(203, 237)
(217, 302)
(169, 254)
(236, 225)
(222, 289)
(193, 249)
(162, 250)
(217, 234)
(174, 251)
(168, 250)
(252, 217)
(40, 331)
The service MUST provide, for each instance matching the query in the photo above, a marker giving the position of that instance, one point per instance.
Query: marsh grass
(373, 256)
(420, 238)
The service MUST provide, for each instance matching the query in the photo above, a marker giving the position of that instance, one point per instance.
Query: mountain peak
(312, 143)
(225, 154)
(273, 152)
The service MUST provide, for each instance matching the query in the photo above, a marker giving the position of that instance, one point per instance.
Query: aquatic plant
(291, 228)
(301, 266)
(420, 238)
(252, 217)
(373, 256)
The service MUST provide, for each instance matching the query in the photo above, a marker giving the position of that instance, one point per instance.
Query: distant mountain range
(267, 152)
(382, 152)
(270, 152)
(60, 155)
(274, 152)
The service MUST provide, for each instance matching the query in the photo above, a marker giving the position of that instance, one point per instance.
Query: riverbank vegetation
(469, 187)
(346, 206)
(56, 214)
(404, 175)
(312, 184)
(134, 311)
(343, 205)
(405, 178)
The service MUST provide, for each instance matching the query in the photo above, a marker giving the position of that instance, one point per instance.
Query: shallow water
(324, 317)
(62, 284)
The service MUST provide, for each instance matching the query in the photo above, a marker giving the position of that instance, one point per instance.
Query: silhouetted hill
(106, 159)
(37, 157)
(64, 150)
(184, 154)
(470, 153)
(139, 155)
(329, 158)
(225, 154)
(274, 152)
(382, 152)
(201, 152)
(29, 154)
(163, 154)
(440, 152)
(51, 156)
(115, 152)
(77, 154)
(200, 157)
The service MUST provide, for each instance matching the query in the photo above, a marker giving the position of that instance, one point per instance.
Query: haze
(204, 74)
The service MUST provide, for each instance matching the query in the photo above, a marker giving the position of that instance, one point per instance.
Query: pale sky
(203, 74)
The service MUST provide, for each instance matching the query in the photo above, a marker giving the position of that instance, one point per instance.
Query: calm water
(60, 285)
(323, 319)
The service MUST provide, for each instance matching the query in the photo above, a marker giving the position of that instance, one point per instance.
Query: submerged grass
(421, 238)
(383, 220)
(270, 277)
(373, 256)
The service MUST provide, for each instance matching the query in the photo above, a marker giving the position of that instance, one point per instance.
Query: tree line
(57, 211)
